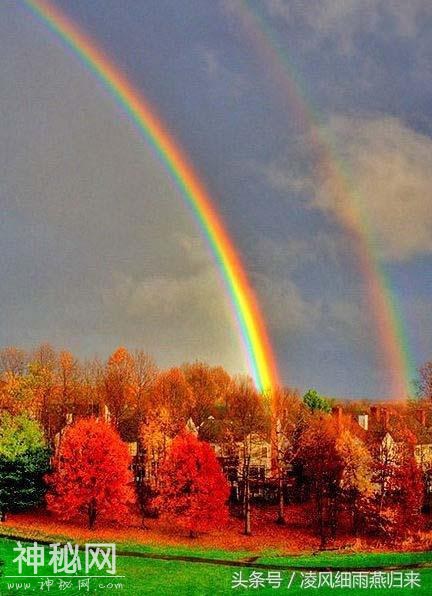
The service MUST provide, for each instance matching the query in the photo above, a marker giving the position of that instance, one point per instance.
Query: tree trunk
(3, 515)
(247, 508)
(320, 519)
(246, 487)
(92, 512)
(281, 513)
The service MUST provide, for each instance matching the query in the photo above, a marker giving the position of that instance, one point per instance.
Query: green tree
(24, 459)
(314, 401)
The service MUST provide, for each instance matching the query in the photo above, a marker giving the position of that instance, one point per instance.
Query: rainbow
(254, 337)
(395, 351)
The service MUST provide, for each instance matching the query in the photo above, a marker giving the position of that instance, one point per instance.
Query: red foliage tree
(193, 489)
(92, 476)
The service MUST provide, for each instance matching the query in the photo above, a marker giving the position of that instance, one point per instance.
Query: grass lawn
(165, 577)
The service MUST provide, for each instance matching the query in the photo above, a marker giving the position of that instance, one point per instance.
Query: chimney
(385, 417)
(106, 416)
(421, 414)
(363, 421)
(191, 427)
(337, 413)
(374, 411)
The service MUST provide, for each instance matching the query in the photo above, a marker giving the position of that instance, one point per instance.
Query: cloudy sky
(97, 247)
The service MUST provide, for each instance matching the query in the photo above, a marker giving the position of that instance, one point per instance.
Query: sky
(97, 247)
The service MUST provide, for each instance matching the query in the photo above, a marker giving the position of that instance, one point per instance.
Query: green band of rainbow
(254, 336)
(393, 342)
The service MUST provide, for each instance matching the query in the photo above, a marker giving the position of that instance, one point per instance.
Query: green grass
(150, 576)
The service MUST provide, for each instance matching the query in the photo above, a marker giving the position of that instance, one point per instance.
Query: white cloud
(390, 178)
(182, 317)
(231, 83)
(381, 175)
(342, 20)
(289, 310)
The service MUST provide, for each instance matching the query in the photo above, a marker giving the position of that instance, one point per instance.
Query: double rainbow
(253, 333)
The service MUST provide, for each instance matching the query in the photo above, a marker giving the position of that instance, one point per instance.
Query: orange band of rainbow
(254, 336)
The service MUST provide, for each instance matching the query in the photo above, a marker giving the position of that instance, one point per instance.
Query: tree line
(57, 445)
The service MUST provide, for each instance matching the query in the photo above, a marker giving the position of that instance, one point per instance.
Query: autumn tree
(118, 386)
(155, 436)
(288, 415)
(13, 360)
(92, 393)
(168, 407)
(424, 383)
(45, 356)
(145, 373)
(172, 392)
(68, 383)
(24, 459)
(246, 422)
(395, 510)
(209, 385)
(193, 490)
(323, 467)
(15, 396)
(356, 485)
(92, 476)
(40, 384)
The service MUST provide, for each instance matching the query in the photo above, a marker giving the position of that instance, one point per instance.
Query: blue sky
(97, 248)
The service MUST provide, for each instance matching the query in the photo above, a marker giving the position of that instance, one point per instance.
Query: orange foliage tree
(91, 476)
(209, 385)
(172, 392)
(246, 423)
(193, 489)
(396, 511)
(323, 467)
(118, 385)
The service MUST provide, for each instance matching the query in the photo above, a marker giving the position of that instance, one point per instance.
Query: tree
(92, 476)
(40, 383)
(425, 380)
(91, 390)
(193, 489)
(69, 381)
(287, 419)
(395, 510)
(145, 375)
(323, 467)
(209, 385)
(172, 392)
(155, 437)
(246, 421)
(45, 356)
(314, 401)
(13, 360)
(15, 396)
(356, 485)
(118, 386)
(24, 459)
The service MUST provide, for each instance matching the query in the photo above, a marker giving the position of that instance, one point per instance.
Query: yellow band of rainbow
(254, 336)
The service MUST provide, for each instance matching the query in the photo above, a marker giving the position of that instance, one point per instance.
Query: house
(420, 424)
(255, 453)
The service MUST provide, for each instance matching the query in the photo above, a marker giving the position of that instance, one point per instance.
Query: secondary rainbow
(394, 345)
(254, 336)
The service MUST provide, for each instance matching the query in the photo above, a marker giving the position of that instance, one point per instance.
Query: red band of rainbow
(254, 336)
(394, 354)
